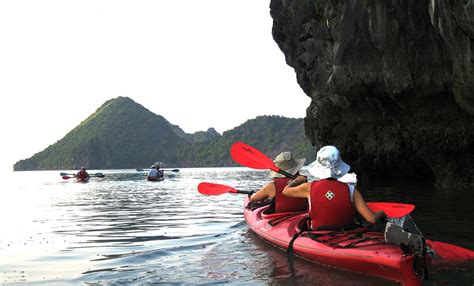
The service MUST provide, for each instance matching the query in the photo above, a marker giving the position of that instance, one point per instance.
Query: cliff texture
(391, 83)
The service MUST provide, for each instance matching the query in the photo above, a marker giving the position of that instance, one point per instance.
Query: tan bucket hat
(287, 163)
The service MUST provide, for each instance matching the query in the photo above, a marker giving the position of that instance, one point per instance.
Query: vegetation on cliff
(270, 134)
(124, 134)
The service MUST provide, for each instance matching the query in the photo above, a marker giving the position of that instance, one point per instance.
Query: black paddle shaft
(245, 192)
(287, 174)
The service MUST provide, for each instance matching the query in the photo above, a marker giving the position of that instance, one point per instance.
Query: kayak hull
(155, 179)
(357, 250)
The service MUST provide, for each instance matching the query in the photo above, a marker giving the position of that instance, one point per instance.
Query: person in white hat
(281, 203)
(333, 198)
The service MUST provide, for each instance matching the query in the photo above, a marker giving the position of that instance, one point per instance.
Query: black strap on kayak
(354, 243)
(277, 220)
(357, 235)
(335, 231)
(335, 238)
(289, 250)
(340, 228)
(255, 205)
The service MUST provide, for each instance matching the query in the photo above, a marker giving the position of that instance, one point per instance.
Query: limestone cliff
(391, 82)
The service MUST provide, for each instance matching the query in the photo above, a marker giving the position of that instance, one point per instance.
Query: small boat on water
(155, 174)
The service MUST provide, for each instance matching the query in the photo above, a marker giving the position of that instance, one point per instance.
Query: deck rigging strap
(277, 220)
(289, 250)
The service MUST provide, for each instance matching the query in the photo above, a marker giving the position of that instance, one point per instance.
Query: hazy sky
(200, 64)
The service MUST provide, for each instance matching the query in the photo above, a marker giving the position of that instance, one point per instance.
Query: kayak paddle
(450, 252)
(251, 157)
(146, 170)
(394, 210)
(70, 176)
(92, 175)
(211, 189)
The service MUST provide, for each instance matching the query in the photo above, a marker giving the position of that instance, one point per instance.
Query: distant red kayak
(358, 250)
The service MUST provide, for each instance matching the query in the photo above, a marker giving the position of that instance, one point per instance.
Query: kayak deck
(357, 250)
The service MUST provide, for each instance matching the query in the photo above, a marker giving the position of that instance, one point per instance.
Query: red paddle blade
(394, 210)
(251, 157)
(210, 189)
(450, 252)
(67, 177)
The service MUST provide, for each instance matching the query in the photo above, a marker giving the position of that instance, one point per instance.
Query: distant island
(123, 134)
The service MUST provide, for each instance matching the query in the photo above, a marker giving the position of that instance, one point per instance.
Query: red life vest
(284, 203)
(330, 204)
(82, 175)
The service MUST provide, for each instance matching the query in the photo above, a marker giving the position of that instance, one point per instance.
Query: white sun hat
(287, 163)
(328, 164)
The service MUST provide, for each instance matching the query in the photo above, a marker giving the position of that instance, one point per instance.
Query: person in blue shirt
(155, 173)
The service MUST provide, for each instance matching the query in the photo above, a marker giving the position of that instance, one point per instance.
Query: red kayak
(79, 180)
(359, 250)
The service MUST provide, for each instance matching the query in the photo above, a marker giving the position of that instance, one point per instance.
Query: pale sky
(200, 64)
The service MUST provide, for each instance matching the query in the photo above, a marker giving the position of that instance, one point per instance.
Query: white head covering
(287, 163)
(328, 164)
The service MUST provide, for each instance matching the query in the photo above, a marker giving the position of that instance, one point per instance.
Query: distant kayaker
(155, 173)
(273, 190)
(82, 175)
(333, 198)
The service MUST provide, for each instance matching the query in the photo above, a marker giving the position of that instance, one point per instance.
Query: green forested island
(124, 134)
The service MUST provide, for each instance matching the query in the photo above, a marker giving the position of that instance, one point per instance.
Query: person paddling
(273, 189)
(82, 175)
(333, 199)
(155, 173)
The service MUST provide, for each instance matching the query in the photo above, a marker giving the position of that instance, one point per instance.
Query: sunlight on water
(123, 229)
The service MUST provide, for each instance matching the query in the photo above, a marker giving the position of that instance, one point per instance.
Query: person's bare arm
(364, 210)
(267, 191)
(298, 188)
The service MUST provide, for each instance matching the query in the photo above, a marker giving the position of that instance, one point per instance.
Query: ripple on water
(124, 230)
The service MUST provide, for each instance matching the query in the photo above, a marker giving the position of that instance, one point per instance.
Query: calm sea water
(124, 230)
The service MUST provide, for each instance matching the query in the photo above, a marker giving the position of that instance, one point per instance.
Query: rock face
(391, 83)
